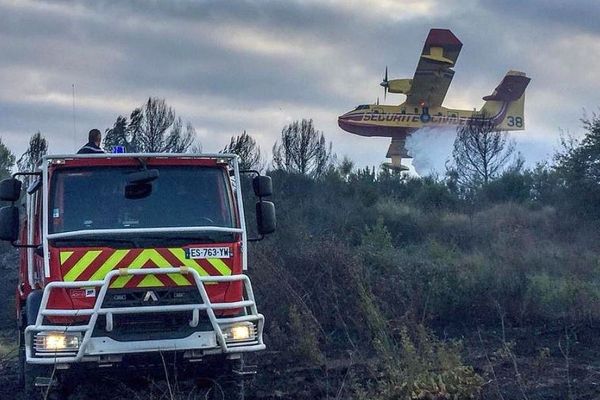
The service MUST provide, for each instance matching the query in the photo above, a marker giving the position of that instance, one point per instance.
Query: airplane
(425, 92)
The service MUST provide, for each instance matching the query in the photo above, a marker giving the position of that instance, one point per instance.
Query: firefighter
(93, 144)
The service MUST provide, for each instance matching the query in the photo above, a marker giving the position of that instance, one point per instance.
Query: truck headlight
(53, 342)
(240, 332)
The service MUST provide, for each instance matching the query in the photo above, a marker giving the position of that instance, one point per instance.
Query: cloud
(235, 65)
(574, 16)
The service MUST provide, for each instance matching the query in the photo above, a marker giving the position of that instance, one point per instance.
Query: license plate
(208, 252)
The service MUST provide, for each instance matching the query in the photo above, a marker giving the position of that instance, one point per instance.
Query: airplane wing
(434, 71)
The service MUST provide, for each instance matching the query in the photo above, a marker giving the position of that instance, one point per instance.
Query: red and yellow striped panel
(85, 264)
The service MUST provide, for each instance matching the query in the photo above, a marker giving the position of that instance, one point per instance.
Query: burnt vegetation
(378, 286)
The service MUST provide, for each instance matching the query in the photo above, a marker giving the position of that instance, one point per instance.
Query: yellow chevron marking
(144, 257)
(150, 281)
(64, 256)
(141, 260)
(109, 265)
(137, 263)
(219, 266)
(81, 265)
(161, 262)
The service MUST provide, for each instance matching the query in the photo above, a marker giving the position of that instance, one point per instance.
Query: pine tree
(302, 150)
(247, 149)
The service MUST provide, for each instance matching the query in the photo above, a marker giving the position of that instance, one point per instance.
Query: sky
(230, 66)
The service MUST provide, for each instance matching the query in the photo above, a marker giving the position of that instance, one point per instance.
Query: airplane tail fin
(505, 107)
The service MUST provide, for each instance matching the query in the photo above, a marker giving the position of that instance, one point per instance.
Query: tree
(38, 148)
(302, 150)
(247, 149)
(7, 160)
(152, 128)
(578, 169)
(345, 168)
(28, 162)
(118, 135)
(480, 153)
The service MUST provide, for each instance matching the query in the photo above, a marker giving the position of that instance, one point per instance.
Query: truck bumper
(65, 344)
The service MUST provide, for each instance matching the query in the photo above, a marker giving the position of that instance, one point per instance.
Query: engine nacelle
(399, 86)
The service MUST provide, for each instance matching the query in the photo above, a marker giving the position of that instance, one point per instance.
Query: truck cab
(130, 255)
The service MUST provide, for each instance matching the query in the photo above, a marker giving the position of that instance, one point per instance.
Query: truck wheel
(32, 306)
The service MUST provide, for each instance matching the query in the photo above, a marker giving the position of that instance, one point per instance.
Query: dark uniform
(90, 148)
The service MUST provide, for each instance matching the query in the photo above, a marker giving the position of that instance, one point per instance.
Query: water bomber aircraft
(425, 94)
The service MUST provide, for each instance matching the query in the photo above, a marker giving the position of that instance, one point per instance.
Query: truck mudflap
(64, 344)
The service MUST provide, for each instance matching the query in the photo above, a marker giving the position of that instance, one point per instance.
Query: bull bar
(92, 348)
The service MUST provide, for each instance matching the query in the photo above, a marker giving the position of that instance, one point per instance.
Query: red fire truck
(129, 257)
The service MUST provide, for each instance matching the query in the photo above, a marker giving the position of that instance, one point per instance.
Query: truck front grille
(151, 326)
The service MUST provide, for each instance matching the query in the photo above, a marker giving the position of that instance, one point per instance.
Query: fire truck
(134, 259)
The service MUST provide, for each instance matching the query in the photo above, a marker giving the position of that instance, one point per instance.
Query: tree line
(154, 127)
(484, 164)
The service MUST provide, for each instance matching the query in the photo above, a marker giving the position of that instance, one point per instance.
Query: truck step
(247, 370)
(41, 381)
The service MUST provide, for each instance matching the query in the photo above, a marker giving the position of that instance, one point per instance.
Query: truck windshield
(94, 198)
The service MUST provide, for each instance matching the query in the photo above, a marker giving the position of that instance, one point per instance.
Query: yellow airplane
(424, 96)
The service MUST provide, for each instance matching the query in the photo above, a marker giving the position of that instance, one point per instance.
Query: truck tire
(32, 306)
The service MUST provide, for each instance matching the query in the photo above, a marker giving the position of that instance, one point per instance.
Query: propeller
(385, 83)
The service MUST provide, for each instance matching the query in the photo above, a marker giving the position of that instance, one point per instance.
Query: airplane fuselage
(400, 121)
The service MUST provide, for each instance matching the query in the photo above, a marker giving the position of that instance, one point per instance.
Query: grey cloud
(578, 15)
(120, 52)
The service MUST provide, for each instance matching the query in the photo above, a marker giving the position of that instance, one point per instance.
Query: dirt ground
(527, 364)
(551, 364)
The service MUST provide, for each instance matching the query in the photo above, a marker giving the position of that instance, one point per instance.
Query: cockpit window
(363, 107)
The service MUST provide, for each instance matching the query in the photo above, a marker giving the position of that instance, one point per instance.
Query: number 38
(515, 121)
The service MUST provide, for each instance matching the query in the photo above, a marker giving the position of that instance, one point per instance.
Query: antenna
(74, 125)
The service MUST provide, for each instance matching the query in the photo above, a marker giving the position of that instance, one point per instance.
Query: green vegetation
(363, 261)
(375, 268)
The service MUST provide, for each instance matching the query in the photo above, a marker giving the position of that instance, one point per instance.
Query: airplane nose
(345, 121)
(344, 117)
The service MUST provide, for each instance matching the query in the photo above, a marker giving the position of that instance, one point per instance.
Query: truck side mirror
(263, 186)
(265, 217)
(10, 189)
(9, 223)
